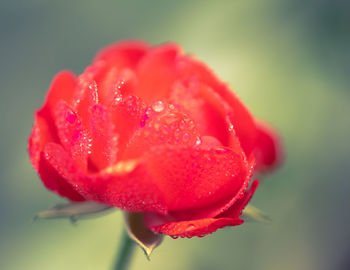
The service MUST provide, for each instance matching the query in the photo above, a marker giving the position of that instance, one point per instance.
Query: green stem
(125, 252)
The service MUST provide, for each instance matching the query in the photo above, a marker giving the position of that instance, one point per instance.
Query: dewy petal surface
(205, 106)
(74, 138)
(194, 177)
(55, 181)
(104, 140)
(200, 227)
(132, 191)
(44, 131)
(242, 120)
(203, 226)
(163, 124)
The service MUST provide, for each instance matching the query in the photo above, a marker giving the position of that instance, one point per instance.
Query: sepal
(73, 211)
(140, 234)
(252, 213)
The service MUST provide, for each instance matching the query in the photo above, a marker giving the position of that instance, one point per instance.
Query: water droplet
(198, 141)
(190, 227)
(71, 117)
(185, 137)
(94, 91)
(117, 97)
(182, 124)
(120, 84)
(158, 106)
(231, 127)
(145, 118)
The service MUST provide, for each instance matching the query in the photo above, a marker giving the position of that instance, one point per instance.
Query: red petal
(236, 209)
(115, 84)
(203, 226)
(104, 141)
(205, 106)
(195, 177)
(164, 125)
(55, 182)
(73, 136)
(241, 118)
(156, 72)
(62, 88)
(114, 63)
(128, 114)
(44, 130)
(131, 190)
(123, 54)
(218, 207)
(86, 95)
(200, 227)
(267, 149)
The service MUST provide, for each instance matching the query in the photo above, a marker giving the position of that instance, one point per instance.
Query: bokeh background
(288, 60)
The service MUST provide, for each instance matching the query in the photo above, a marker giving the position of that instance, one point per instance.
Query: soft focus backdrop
(288, 60)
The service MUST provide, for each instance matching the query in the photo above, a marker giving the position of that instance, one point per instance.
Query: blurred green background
(289, 61)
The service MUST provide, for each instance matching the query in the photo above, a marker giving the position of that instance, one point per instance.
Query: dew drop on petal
(144, 118)
(198, 141)
(120, 84)
(190, 227)
(71, 117)
(185, 137)
(94, 91)
(158, 106)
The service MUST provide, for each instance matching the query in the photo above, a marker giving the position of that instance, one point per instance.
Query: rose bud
(151, 130)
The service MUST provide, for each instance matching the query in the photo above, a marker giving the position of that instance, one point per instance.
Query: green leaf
(73, 211)
(138, 232)
(253, 213)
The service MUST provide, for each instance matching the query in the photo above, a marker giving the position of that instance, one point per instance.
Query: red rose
(152, 130)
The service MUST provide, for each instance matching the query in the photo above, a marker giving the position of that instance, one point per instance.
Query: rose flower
(154, 131)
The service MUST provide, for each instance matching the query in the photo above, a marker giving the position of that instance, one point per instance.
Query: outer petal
(204, 226)
(236, 209)
(44, 131)
(241, 118)
(216, 208)
(200, 227)
(193, 178)
(62, 88)
(267, 148)
(205, 106)
(127, 186)
(55, 182)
